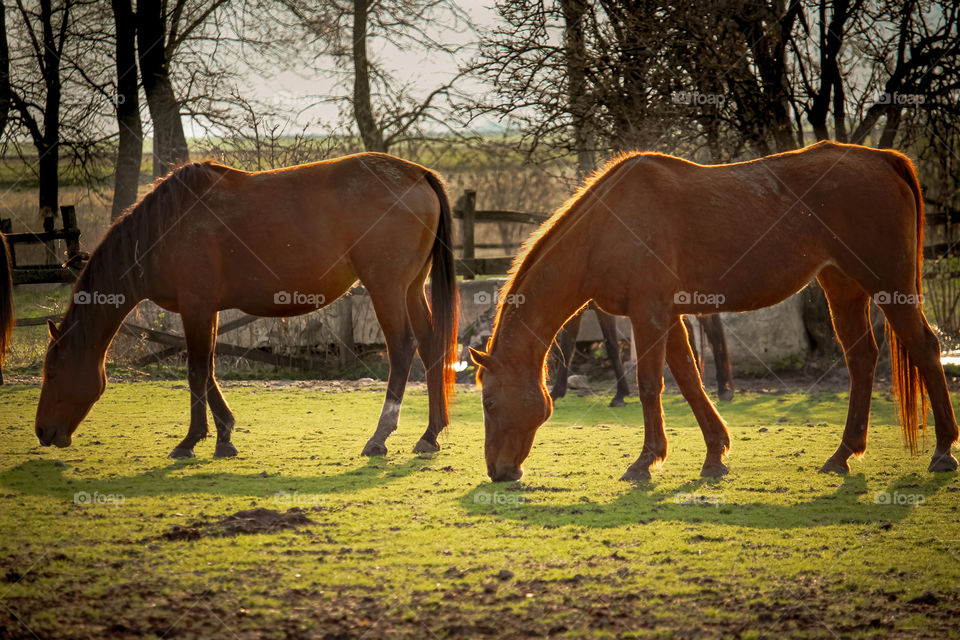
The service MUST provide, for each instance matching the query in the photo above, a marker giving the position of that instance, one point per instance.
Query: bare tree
(162, 30)
(46, 32)
(130, 136)
(384, 111)
(5, 95)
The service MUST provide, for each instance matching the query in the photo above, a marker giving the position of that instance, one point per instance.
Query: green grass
(411, 546)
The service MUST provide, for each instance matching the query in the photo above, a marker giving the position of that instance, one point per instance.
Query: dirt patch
(241, 522)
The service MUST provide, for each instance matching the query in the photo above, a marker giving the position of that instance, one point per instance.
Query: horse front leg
(651, 341)
(682, 364)
(199, 329)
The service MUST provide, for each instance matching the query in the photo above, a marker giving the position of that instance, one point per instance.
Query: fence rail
(465, 210)
(40, 273)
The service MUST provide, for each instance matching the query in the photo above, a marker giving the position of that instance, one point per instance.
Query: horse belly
(748, 288)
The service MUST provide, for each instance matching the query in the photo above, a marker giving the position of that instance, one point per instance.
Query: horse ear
(480, 358)
(52, 328)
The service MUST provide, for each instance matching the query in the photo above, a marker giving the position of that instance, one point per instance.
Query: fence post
(466, 228)
(348, 348)
(69, 215)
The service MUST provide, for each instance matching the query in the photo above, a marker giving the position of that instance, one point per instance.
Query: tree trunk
(575, 51)
(5, 91)
(767, 44)
(130, 144)
(362, 107)
(889, 134)
(49, 148)
(169, 142)
(831, 40)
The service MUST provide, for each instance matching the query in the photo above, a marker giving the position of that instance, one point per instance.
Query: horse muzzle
(53, 436)
(500, 473)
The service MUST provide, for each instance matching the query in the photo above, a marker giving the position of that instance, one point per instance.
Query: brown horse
(6, 301)
(273, 243)
(566, 341)
(654, 237)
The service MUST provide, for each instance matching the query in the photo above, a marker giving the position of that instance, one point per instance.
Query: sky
(300, 95)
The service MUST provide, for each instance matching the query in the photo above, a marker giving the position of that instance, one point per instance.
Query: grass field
(111, 539)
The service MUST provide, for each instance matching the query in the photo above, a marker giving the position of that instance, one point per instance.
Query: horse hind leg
(911, 329)
(391, 313)
(850, 313)
(433, 364)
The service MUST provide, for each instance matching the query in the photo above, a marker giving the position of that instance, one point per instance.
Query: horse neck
(100, 302)
(538, 307)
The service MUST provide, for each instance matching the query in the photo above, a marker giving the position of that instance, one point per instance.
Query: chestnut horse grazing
(654, 237)
(273, 243)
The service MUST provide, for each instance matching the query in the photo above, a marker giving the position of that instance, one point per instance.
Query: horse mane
(122, 258)
(536, 243)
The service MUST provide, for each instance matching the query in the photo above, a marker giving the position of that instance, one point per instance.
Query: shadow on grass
(46, 478)
(703, 501)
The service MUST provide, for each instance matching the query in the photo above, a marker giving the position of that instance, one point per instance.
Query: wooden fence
(64, 272)
(469, 265)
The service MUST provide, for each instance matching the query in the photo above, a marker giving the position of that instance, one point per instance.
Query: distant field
(110, 538)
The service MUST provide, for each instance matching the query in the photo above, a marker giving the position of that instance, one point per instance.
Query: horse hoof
(716, 470)
(225, 450)
(636, 475)
(726, 395)
(425, 446)
(618, 402)
(180, 453)
(942, 462)
(374, 449)
(835, 466)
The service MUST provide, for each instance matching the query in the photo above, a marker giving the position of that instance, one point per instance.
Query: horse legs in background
(562, 354)
(565, 345)
(713, 327)
(608, 324)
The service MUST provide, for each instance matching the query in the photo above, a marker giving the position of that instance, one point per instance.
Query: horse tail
(6, 299)
(444, 296)
(908, 386)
